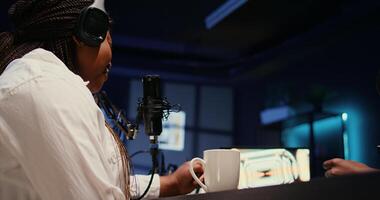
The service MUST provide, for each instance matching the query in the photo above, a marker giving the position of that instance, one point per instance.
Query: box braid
(49, 24)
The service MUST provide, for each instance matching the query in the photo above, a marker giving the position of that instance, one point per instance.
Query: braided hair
(50, 24)
(47, 24)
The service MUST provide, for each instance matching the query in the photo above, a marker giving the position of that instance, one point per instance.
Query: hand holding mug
(221, 169)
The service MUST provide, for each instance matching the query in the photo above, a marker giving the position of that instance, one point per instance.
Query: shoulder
(21, 71)
(38, 71)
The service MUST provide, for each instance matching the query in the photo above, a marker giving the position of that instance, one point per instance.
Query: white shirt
(53, 139)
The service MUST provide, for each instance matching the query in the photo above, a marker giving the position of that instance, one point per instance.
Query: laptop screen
(275, 166)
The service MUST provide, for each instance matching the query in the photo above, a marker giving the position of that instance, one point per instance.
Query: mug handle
(191, 169)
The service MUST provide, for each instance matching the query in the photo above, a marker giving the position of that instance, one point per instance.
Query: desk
(348, 187)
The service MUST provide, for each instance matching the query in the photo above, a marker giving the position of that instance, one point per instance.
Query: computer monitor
(274, 166)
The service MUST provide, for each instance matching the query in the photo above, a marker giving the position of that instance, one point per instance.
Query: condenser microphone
(152, 101)
(152, 108)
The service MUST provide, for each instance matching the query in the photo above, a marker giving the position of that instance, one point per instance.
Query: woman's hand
(180, 182)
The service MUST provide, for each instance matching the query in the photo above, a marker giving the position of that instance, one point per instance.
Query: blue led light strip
(223, 11)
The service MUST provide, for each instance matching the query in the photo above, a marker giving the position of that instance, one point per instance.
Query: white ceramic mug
(221, 169)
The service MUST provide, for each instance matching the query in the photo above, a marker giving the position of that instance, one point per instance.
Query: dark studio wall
(341, 56)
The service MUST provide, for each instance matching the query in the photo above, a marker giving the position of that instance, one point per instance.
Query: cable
(129, 130)
(153, 152)
(151, 177)
(138, 152)
(147, 189)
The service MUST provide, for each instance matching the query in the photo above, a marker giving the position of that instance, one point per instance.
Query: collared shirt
(53, 140)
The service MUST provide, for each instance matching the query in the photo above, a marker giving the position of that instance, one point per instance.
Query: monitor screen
(275, 166)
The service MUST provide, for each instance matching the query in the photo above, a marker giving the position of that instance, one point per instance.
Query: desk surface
(361, 187)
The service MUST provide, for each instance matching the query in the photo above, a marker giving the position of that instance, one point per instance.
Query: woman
(54, 143)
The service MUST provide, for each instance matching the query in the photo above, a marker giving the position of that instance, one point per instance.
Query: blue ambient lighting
(223, 11)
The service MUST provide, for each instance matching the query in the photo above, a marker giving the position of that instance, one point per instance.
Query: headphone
(92, 26)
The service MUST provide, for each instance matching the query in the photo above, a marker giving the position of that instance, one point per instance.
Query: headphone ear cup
(92, 26)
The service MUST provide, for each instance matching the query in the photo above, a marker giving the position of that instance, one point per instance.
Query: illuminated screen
(173, 132)
(266, 167)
